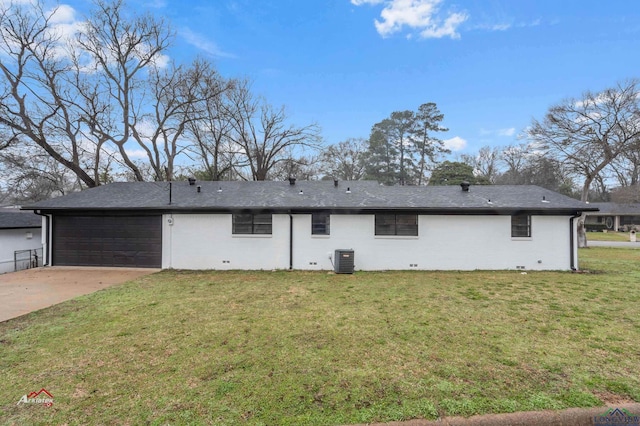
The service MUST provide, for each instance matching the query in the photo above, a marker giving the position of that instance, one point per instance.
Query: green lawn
(608, 236)
(315, 348)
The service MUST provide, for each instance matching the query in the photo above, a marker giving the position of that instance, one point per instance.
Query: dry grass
(317, 348)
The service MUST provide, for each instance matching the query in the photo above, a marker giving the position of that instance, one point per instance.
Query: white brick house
(299, 225)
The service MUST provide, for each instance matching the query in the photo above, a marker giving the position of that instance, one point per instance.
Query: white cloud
(420, 15)
(507, 132)
(456, 143)
(448, 28)
(201, 42)
(136, 153)
(64, 27)
(63, 14)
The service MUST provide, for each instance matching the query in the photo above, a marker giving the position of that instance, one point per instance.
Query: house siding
(205, 241)
(16, 239)
(445, 242)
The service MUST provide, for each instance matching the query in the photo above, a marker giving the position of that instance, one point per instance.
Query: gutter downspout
(45, 261)
(572, 249)
(290, 242)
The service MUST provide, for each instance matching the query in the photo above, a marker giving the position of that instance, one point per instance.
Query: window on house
(252, 223)
(397, 224)
(320, 224)
(521, 225)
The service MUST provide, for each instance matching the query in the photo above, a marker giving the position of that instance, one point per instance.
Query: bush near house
(595, 227)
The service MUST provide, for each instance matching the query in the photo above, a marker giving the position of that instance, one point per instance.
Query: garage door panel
(108, 241)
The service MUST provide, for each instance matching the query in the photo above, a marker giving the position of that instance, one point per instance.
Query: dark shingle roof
(316, 195)
(18, 219)
(630, 209)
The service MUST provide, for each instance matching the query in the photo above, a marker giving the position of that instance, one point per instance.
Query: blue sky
(490, 65)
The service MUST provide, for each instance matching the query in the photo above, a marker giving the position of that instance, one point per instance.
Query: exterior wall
(204, 241)
(16, 239)
(444, 243)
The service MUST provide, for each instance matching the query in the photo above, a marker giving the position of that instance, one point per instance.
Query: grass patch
(315, 348)
(608, 236)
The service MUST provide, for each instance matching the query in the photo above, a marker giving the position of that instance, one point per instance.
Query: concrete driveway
(27, 291)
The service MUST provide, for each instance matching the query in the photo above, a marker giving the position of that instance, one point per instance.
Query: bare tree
(7, 138)
(301, 168)
(181, 97)
(82, 100)
(34, 97)
(213, 145)
(345, 160)
(34, 176)
(515, 157)
(626, 194)
(626, 168)
(485, 163)
(589, 134)
(113, 63)
(262, 132)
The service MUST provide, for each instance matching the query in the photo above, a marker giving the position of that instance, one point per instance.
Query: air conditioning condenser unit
(344, 261)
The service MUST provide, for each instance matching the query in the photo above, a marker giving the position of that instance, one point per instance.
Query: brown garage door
(134, 241)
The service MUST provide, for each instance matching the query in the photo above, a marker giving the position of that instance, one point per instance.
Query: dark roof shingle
(18, 219)
(311, 195)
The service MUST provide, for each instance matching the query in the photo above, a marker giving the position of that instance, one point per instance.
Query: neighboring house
(613, 217)
(19, 231)
(299, 225)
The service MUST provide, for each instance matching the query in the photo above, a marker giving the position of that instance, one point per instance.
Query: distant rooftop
(16, 219)
(624, 209)
(314, 195)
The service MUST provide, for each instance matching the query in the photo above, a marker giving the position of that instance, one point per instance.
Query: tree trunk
(582, 235)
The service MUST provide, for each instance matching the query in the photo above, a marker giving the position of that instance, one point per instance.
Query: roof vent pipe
(199, 188)
(465, 186)
(335, 182)
(192, 181)
(292, 181)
